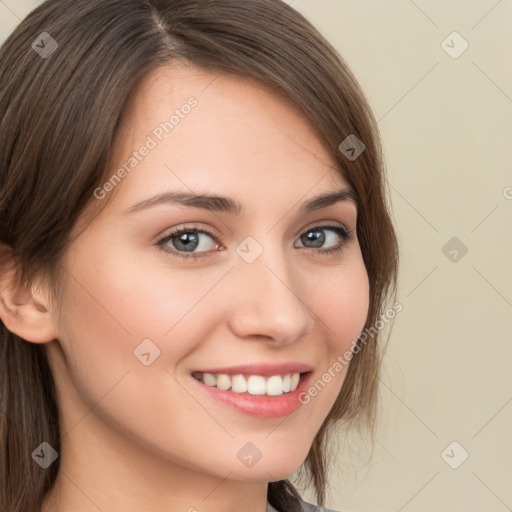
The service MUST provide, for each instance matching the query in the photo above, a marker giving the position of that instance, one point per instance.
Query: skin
(141, 438)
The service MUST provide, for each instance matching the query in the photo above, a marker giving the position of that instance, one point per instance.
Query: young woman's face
(163, 289)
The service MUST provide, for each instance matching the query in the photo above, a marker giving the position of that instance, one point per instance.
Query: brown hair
(58, 120)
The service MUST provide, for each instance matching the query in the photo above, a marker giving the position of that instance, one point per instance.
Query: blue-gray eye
(316, 237)
(190, 240)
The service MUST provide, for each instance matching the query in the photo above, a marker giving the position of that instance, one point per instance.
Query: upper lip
(264, 369)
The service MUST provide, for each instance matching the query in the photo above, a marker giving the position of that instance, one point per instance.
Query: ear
(25, 312)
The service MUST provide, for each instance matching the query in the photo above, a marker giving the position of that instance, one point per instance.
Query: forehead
(215, 132)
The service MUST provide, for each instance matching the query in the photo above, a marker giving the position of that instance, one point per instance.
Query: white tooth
(294, 382)
(209, 379)
(239, 384)
(256, 385)
(287, 382)
(223, 381)
(275, 385)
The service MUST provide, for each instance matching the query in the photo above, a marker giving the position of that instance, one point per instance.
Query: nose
(267, 302)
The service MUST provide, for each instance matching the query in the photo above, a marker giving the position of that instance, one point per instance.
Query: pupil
(317, 237)
(189, 242)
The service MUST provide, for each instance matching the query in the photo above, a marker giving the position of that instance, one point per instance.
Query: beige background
(446, 124)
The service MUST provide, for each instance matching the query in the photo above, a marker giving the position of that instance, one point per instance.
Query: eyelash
(347, 235)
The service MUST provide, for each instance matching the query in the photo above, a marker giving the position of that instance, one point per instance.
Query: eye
(335, 237)
(186, 242)
(192, 242)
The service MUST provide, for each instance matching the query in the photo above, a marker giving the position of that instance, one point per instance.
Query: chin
(269, 469)
(263, 474)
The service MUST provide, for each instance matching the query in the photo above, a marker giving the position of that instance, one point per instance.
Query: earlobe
(25, 312)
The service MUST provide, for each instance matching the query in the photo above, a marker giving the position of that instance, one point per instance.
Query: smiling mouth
(273, 385)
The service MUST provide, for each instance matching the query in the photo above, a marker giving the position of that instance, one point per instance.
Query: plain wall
(446, 125)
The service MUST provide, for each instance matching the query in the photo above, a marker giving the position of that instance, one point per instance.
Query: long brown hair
(59, 115)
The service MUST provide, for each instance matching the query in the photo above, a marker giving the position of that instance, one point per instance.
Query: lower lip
(260, 406)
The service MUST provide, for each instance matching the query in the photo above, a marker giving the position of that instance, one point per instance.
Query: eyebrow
(228, 205)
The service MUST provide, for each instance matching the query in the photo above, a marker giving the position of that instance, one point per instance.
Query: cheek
(341, 304)
(341, 309)
(137, 297)
(110, 308)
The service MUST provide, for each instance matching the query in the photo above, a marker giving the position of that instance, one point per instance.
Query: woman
(194, 237)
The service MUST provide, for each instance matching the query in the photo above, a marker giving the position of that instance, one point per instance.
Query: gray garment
(308, 507)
